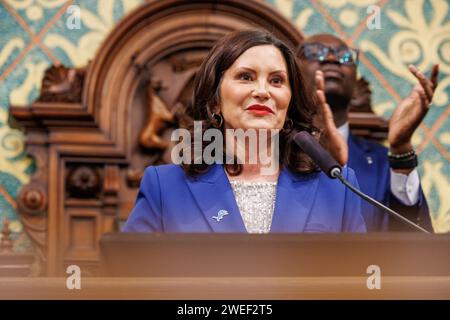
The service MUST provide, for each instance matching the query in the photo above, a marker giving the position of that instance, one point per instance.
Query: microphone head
(316, 152)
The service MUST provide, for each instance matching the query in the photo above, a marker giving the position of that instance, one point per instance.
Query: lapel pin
(369, 160)
(220, 215)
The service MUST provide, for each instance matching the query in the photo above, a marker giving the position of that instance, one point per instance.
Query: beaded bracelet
(401, 155)
(403, 163)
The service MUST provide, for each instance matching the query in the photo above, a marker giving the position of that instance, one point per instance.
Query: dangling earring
(288, 124)
(218, 119)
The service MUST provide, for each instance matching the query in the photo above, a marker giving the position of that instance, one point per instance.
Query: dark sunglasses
(319, 52)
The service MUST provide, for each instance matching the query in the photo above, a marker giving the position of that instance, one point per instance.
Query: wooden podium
(274, 255)
(226, 288)
(242, 266)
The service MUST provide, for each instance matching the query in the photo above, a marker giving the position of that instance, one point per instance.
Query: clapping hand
(411, 111)
(332, 139)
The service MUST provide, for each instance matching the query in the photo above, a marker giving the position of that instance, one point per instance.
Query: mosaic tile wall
(35, 35)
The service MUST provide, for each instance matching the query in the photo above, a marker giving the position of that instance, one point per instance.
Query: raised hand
(412, 110)
(332, 139)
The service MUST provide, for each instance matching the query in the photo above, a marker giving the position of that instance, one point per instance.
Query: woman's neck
(259, 161)
(252, 173)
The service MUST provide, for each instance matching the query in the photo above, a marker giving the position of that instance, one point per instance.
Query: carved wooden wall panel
(92, 131)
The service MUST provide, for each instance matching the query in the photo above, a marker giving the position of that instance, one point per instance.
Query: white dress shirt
(404, 187)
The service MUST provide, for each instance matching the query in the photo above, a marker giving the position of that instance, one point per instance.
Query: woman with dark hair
(249, 88)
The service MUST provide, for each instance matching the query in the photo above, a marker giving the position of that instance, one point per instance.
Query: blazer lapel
(214, 196)
(294, 200)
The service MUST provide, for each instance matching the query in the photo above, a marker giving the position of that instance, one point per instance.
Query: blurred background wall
(35, 34)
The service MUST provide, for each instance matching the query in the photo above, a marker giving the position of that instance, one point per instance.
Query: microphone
(316, 152)
(333, 170)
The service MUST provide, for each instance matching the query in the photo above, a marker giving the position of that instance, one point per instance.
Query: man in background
(388, 175)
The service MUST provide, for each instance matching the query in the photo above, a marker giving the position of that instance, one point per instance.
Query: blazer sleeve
(353, 220)
(146, 214)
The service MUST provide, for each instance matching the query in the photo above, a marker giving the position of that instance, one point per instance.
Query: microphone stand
(336, 173)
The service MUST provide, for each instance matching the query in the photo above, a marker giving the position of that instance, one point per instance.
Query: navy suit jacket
(170, 201)
(371, 165)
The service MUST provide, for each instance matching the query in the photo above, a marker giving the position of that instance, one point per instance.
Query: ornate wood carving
(61, 84)
(12, 264)
(83, 182)
(158, 116)
(111, 187)
(134, 177)
(33, 199)
(93, 131)
(6, 243)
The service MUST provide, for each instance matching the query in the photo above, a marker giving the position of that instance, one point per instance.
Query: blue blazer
(169, 201)
(371, 165)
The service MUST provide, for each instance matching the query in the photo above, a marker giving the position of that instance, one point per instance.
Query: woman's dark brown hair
(206, 98)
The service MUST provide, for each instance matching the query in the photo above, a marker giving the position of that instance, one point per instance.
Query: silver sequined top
(256, 202)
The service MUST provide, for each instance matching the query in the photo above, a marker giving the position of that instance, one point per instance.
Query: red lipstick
(260, 109)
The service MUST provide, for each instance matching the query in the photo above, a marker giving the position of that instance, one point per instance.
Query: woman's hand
(332, 139)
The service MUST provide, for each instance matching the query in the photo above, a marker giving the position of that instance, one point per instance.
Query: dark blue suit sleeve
(418, 213)
(353, 220)
(146, 214)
